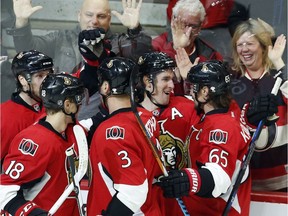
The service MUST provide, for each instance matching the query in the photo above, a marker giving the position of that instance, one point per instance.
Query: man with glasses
(187, 19)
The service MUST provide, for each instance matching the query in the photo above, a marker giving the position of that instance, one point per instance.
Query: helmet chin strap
(33, 96)
(104, 99)
(72, 115)
(154, 101)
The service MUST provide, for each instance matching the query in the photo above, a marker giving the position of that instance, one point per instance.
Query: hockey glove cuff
(31, 209)
(180, 183)
(92, 46)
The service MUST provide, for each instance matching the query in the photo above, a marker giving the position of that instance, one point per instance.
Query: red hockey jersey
(219, 143)
(175, 123)
(36, 163)
(123, 164)
(16, 115)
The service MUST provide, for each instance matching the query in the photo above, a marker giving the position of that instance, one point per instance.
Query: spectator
(25, 106)
(35, 168)
(214, 27)
(257, 60)
(7, 78)
(174, 114)
(187, 19)
(62, 45)
(216, 148)
(123, 165)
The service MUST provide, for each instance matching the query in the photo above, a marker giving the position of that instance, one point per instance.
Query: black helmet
(154, 62)
(116, 71)
(29, 62)
(212, 74)
(56, 88)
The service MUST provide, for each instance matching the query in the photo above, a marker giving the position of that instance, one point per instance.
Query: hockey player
(218, 144)
(35, 168)
(123, 165)
(174, 114)
(25, 107)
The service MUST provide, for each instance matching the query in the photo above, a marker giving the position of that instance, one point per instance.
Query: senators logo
(28, 147)
(115, 133)
(218, 136)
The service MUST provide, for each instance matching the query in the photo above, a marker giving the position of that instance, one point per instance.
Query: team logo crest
(174, 151)
(115, 133)
(110, 64)
(204, 68)
(28, 147)
(140, 60)
(20, 55)
(67, 81)
(156, 112)
(218, 136)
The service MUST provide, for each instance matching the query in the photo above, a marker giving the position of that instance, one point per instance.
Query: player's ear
(105, 88)
(147, 83)
(67, 105)
(23, 82)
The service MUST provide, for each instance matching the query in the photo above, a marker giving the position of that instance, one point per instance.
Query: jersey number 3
(125, 158)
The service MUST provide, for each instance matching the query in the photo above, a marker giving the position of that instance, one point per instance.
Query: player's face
(37, 79)
(94, 14)
(163, 87)
(250, 51)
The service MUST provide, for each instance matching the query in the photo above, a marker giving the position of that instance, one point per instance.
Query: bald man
(62, 45)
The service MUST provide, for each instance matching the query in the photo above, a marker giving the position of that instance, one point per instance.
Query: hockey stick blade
(82, 167)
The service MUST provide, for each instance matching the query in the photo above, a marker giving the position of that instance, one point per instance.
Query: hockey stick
(148, 137)
(82, 168)
(250, 152)
(71, 160)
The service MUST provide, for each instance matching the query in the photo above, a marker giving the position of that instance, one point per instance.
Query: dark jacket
(62, 45)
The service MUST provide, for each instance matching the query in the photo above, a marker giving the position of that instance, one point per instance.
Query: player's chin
(165, 100)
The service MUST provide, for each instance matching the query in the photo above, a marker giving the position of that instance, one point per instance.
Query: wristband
(26, 209)
(134, 31)
(194, 179)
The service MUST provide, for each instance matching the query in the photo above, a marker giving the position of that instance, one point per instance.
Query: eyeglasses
(247, 45)
(193, 26)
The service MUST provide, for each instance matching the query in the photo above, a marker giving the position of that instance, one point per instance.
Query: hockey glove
(262, 107)
(31, 209)
(92, 45)
(180, 183)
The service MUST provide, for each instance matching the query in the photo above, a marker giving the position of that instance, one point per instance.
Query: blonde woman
(257, 61)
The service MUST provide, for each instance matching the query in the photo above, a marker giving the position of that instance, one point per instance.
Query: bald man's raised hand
(23, 9)
(131, 13)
